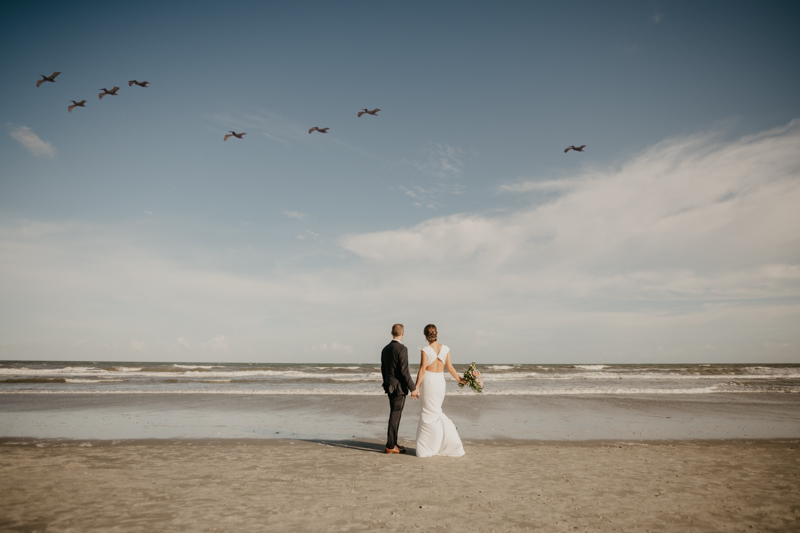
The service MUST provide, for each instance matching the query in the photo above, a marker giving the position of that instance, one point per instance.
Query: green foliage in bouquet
(473, 378)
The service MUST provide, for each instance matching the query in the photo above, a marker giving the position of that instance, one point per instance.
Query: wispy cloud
(429, 196)
(271, 125)
(541, 186)
(284, 130)
(31, 141)
(308, 234)
(294, 214)
(657, 15)
(694, 242)
(441, 165)
(441, 161)
(690, 218)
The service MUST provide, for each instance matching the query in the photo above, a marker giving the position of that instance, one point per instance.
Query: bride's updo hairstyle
(431, 333)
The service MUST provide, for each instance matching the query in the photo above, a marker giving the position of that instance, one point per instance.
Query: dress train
(436, 434)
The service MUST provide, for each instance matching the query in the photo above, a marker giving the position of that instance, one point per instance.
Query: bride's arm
(452, 370)
(422, 364)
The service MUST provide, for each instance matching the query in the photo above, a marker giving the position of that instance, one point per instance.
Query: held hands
(415, 394)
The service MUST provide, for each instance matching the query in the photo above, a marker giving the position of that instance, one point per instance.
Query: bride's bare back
(436, 434)
(437, 365)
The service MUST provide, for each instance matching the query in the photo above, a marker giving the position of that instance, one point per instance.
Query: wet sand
(197, 416)
(281, 485)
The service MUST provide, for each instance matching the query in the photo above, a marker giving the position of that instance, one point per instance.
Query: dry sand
(286, 486)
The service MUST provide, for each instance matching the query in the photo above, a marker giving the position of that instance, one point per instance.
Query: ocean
(134, 400)
(94, 377)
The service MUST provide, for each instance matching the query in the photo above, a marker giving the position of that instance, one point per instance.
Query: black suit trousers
(397, 402)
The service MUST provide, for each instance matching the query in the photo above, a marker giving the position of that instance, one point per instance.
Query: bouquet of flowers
(473, 378)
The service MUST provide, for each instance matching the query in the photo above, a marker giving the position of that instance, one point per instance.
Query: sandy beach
(294, 485)
(223, 461)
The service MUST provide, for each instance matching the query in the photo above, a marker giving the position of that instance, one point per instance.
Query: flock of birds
(113, 92)
(106, 92)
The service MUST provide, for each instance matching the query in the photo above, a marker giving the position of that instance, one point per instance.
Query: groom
(396, 382)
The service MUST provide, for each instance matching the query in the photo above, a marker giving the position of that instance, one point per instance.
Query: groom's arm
(404, 369)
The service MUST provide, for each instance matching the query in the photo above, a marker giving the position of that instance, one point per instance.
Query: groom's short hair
(397, 330)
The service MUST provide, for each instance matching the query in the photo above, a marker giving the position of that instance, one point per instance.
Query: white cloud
(294, 214)
(438, 240)
(695, 242)
(138, 346)
(184, 343)
(332, 347)
(689, 218)
(217, 344)
(31, 141)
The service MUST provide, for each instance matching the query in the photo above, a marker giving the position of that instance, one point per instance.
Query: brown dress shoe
(395, 450)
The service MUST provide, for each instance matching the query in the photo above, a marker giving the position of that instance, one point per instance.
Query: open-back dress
(436, 434)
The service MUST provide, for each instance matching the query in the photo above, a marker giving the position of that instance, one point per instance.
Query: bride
(436, 434)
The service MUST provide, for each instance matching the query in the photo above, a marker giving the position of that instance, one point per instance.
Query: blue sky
(129, 230)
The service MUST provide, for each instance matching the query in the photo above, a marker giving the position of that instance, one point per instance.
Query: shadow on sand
(361, 446)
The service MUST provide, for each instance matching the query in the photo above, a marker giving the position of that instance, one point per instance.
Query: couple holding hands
(436, 434)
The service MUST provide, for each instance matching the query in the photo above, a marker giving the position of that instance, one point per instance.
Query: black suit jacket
(394, 367)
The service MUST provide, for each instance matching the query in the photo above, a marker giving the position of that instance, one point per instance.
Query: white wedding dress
(436, 434)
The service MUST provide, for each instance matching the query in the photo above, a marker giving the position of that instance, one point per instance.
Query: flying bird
(234, 134)
(321, 130)
(112, 92)
(75, 104)
(374, 112)
(139, 83)
(576, 148)
(51, 77)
